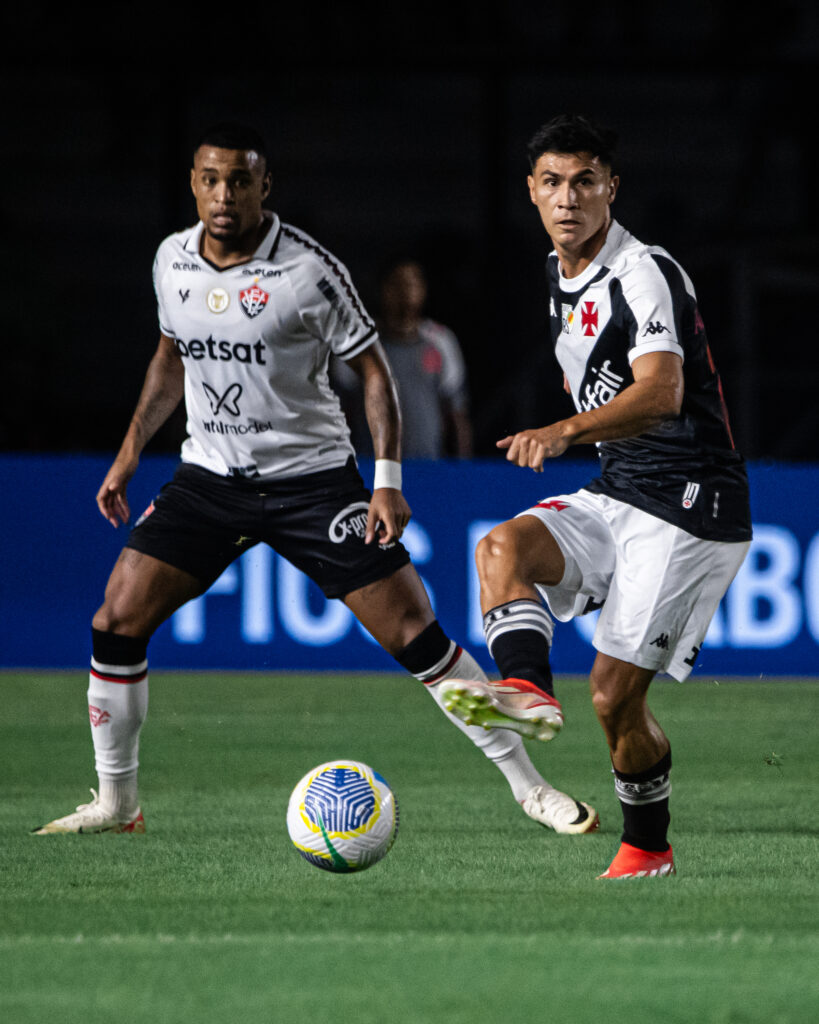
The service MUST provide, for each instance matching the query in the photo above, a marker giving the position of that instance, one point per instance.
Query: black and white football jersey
(255, 340)
(631, 300)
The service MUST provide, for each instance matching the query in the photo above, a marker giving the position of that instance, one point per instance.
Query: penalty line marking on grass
(718, 938)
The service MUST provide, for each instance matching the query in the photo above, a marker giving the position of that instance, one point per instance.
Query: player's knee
(610, 706)
(111, 619)
(121, 613)
(616, 698)
(498, 554)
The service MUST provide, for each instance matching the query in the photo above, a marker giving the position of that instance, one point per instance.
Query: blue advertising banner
(262, 613)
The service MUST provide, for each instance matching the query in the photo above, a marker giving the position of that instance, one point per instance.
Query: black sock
(117, 649)
(429, 654)
(644, 799)
(518, 635)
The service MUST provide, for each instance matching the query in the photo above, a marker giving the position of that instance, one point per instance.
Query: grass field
(477, 915)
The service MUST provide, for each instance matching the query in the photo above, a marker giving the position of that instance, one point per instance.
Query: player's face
(405, 290)
(573, 193)
(229, 186)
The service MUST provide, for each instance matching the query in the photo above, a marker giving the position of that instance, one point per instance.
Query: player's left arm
(389, 512)
(655, 396)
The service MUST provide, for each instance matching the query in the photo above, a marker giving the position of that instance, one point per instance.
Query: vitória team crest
(253, 300)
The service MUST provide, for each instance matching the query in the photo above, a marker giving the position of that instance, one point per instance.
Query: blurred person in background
(428, 368)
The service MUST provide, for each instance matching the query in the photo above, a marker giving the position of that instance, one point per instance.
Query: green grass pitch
(477, 915)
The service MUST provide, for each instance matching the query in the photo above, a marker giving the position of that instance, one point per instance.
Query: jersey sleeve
(655, 312)
(161, 262)
(453, 370)
(330, 307)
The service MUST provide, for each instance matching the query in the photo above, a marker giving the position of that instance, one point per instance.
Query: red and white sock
(117, 705)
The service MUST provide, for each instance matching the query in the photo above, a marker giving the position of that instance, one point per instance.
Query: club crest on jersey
(253, 300)
(218, 300)
(588, 319)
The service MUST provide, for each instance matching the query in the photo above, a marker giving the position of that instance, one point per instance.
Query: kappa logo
(350, 520)
(588, 319)
(229, 401)
(253, 300)
(655, 327)
(660, 641)
(97, 716)
(184, 296)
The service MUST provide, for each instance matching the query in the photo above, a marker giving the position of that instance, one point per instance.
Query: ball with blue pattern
(342, 816)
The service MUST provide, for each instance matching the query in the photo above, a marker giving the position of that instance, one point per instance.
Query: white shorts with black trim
(659, 586)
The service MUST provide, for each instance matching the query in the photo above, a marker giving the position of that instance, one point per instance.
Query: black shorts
(200, 522)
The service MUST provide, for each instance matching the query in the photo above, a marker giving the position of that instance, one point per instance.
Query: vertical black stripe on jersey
(608, 370)
(703, 401)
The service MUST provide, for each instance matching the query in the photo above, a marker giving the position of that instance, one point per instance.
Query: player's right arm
(161, 393)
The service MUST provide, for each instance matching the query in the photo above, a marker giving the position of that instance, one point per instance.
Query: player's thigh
(666, 586)
(580, 529)
(142, 592)
(394, 609)
(521, 549)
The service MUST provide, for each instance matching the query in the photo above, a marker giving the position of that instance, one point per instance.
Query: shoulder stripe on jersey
(275, 244)
(327, 259)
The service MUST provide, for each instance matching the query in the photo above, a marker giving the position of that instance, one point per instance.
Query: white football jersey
(255, 340)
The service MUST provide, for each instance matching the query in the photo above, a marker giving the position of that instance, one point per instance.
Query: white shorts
(659, 586)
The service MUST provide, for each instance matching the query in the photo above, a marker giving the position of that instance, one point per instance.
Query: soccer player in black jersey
(655, 540)
(250, 310)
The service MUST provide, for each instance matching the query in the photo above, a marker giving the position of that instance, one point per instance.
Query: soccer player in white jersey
(656, 539)
(250, 310)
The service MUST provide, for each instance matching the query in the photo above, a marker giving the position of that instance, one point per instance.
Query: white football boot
(553, 809)
(92, 818)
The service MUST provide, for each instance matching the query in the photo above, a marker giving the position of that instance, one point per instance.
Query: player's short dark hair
(573, 133)
(393, 261)
(233, 135)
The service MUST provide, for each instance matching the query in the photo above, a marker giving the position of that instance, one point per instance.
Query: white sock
(117, 705)
(502, 746)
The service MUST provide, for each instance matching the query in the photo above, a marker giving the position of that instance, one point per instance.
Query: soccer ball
(342, 816)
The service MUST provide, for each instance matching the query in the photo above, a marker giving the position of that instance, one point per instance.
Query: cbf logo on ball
(342, 816)
(350, 520)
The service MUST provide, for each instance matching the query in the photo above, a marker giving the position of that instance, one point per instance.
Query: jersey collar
(614, 239)
(266, 249)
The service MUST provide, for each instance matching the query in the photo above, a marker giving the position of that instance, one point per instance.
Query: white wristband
(387, 474)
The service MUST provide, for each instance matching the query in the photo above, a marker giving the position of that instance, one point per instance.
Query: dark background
(398, 128)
